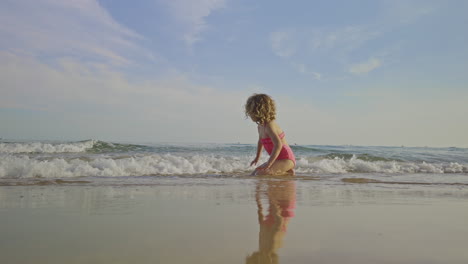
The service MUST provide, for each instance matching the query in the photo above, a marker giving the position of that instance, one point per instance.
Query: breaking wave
(358, 165)
(26, 167)
(23, 166)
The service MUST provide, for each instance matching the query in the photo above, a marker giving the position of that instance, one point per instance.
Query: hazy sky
(342, 72)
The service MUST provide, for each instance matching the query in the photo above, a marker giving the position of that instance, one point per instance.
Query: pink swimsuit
(287, 212)
(286, 152)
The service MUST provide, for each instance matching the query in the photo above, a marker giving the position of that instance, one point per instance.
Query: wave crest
(357, 165)
(41, 147)
(23, 166)
(26, 167)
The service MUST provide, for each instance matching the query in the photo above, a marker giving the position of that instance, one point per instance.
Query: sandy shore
(225, 220)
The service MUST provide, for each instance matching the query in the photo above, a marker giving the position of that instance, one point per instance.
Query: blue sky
(342, 72)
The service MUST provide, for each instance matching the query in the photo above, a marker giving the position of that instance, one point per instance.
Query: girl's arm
(259, 204)
(259, 152)
(259, 148)
(276, 141)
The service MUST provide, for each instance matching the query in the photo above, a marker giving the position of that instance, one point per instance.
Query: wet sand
(229, 220)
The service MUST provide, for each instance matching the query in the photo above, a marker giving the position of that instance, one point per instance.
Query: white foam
(40, 147)
(355, 165)
(23, 166)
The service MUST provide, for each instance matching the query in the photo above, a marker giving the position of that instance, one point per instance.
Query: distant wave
(103, 147)
(305, 149)
(92, 146)
(365, 157)
(23, 166)
(41, 147)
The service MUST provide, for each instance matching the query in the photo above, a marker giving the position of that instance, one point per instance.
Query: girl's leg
(280, 167)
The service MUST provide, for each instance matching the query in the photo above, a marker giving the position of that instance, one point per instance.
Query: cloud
(302, 68)
(406, 12)
(365, 67)
(333, 47)
(282, 43)
(344, 39)
(80, 28)
(169, 108)
(192, 14)
(306, 41)
(320, 46)
(93, 100)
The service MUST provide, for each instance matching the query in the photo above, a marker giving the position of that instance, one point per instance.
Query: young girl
(261, 109)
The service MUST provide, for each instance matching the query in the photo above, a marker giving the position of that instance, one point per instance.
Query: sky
(376, 72)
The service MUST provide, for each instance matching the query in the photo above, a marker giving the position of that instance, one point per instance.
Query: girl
(261, 109)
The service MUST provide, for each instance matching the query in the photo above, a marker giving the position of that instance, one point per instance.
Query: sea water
(98, 162)
(109, 202)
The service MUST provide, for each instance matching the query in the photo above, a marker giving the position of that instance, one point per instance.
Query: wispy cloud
(334, 48)
(365, 67)
(302, 68)
(166, 104)
(312, 41)
(344, 39)
(192, 14)
(80, 28)
(282, 43)
(306, 46)
(405, 12)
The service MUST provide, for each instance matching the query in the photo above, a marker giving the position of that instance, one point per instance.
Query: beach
(207, 219)
(243, 132)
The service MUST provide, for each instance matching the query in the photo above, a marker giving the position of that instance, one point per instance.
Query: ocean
(99, 162)
(111, 202)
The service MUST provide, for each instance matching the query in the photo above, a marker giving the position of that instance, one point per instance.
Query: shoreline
(233, 220)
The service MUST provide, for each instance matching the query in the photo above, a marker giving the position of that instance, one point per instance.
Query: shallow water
(233, 220)
(102, 202)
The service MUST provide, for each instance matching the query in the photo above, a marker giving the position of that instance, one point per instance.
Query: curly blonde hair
(260, 108)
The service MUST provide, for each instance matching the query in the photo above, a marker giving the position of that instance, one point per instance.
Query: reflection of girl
(282, 200)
